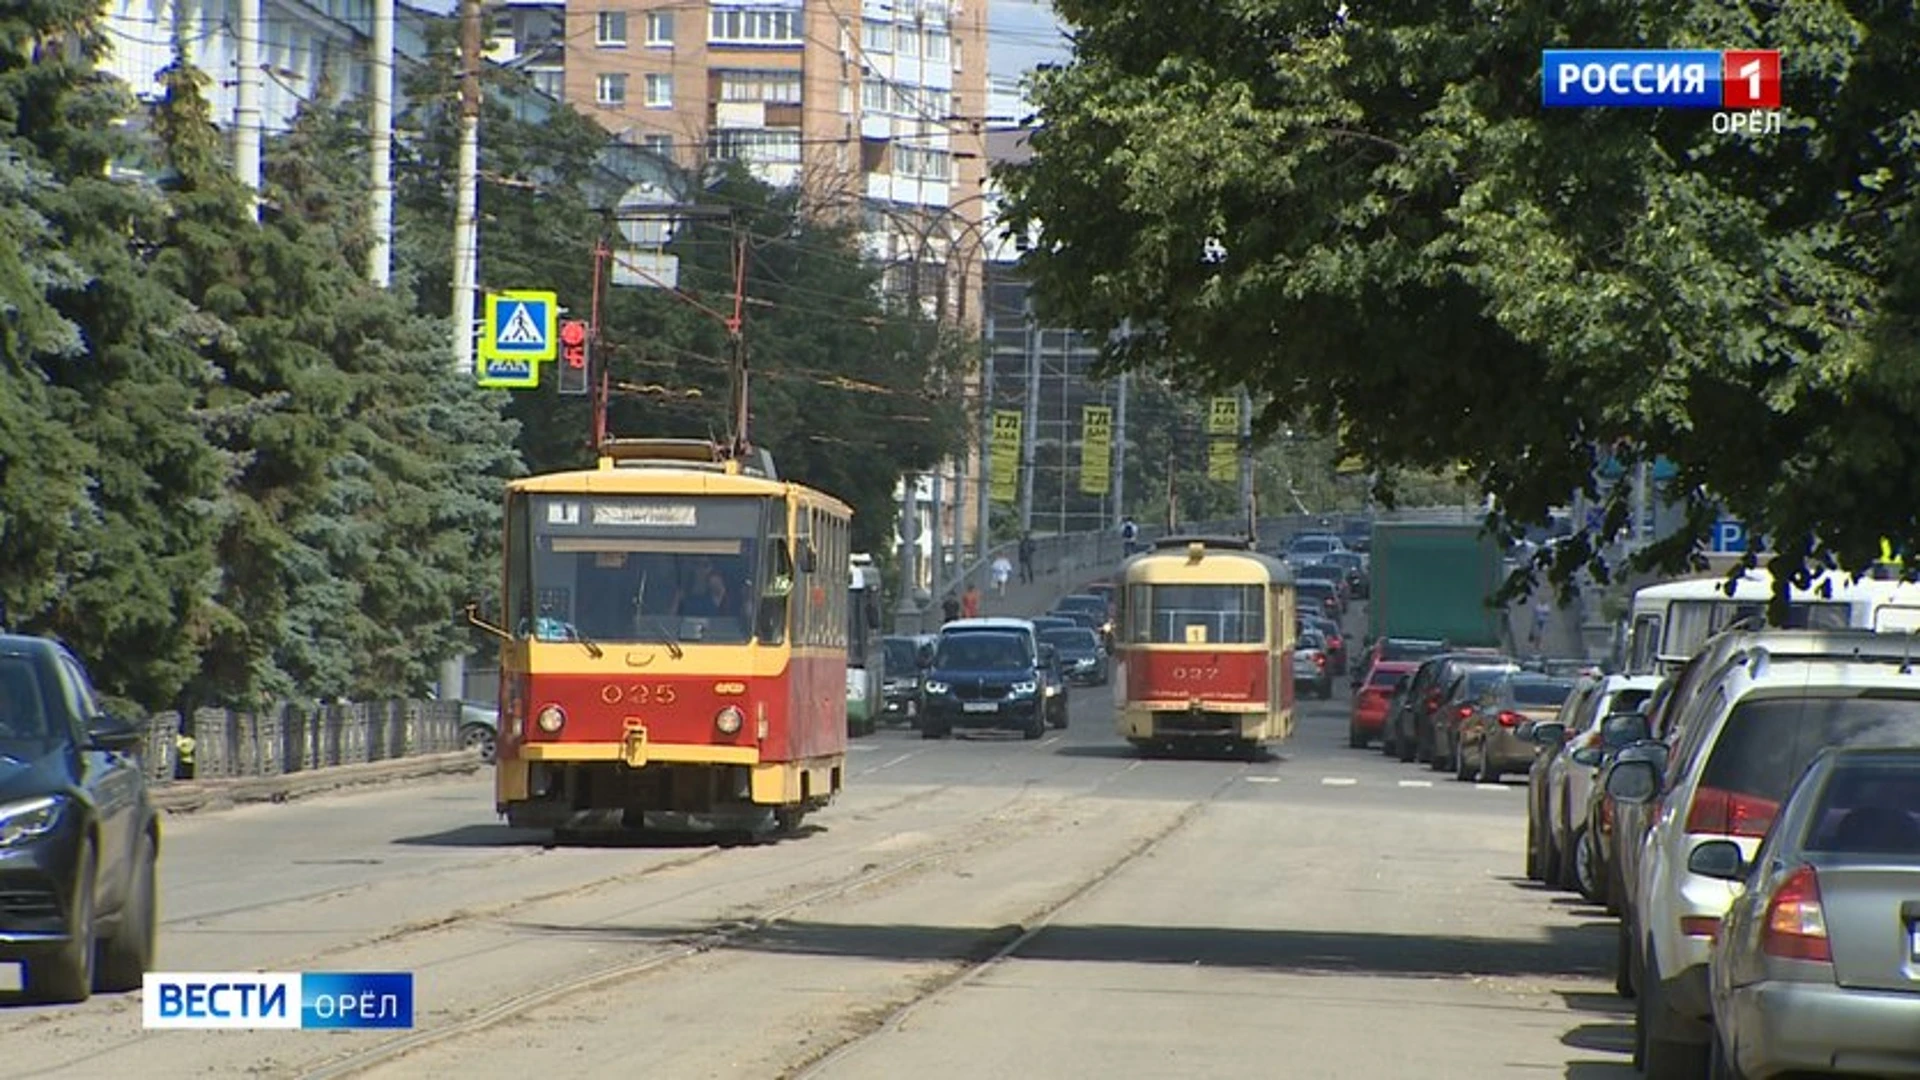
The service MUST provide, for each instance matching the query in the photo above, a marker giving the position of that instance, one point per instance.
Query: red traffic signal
(573, 378)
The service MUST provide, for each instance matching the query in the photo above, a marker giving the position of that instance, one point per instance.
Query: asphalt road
(976, 907)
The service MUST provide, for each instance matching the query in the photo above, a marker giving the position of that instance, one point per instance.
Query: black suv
(984, 679)
(78, 836)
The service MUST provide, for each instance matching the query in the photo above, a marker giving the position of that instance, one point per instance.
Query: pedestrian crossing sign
(521, 326)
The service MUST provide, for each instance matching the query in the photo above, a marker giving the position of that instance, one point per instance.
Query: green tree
(1418, 254)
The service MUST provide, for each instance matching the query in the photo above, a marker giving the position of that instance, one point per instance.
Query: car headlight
(934, 686)
(1024, 689)
(27, 820)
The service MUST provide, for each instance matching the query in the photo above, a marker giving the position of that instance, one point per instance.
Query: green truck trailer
(1433, 581)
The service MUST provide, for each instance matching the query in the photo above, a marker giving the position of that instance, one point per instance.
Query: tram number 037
(638, 694)
(1196, 673)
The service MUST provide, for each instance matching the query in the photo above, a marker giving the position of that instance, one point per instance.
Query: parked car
(79, 837)
(901, 676)
(1333, 575)
(1490, 742)
(1396, 704)
(1311, 671)
(1813, 966)
(1396, 650)
(1413, 733)
(1320, 597)
(984, 679)
(480, 730)
(1741, 746)
(1359, 582)
(1368, 719)
(1082, 658)
(1593, 871)
(1562, 775)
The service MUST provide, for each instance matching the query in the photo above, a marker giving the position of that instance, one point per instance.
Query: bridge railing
(288, 738)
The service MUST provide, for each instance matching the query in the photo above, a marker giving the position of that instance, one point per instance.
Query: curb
(193, 796)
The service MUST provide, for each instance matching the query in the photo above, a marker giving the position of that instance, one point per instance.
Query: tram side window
(1207, 614)
(1139, 614)
(807, 581)
(518, 601)
(779, 577)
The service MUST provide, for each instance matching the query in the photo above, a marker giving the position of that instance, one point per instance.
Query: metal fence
(290, 739)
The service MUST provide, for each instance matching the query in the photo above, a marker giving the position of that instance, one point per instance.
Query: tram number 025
(1196, 673)
(638, 694)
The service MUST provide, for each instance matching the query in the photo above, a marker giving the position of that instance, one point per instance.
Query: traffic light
(573, 378)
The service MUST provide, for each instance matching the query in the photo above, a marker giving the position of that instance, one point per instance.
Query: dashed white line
(1051, 741)
(1263, 779)
(1491, 787)
(1338, 781)
(1416, 783)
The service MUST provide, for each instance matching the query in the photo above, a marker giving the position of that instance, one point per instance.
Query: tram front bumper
(1174, 720)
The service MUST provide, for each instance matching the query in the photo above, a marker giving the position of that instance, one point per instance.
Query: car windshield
(1071, 640)
(1540, 693)
(1344, 559)
(1768, 742)
(1319, 590)
(1053, 622)
(981, 652)
(1320, 572)
(1478, 681)
(1869, 807)
(1310, 547)
(23, 711)
(1091, 604)
(901, 654)
(1402, 649)
(1311, 639)
(1387, 679)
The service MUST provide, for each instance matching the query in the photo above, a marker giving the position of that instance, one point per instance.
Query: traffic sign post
(519, 334)
(571, 378)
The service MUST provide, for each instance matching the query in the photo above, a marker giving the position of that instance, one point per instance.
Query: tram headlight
(551, 719)
(729, 719)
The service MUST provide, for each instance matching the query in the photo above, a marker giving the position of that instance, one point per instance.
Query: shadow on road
(1601, 1070)
(1568, 952)
(501, 836)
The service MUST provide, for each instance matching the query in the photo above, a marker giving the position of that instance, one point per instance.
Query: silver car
(1817, 965)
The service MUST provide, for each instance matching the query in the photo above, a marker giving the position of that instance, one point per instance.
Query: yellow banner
(1223, 460)
(1006, 456)
(1096, 449)
(1223, 416)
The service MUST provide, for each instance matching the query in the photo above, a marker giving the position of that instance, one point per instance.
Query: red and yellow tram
(675, 642)
(1205, 640)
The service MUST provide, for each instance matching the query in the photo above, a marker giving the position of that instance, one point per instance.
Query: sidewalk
(1050, 583)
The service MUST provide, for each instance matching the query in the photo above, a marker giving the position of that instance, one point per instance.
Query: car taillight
(1433, 700)
(1509, 718)
(1319, 659)
(1334, 644)
(1606, 817)
(1796, 926)
(1464, 711)
(1729, 813)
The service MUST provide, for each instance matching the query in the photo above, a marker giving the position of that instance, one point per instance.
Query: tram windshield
(631, 568)
(1196, 614)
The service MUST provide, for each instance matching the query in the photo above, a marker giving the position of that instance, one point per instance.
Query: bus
(1669, 622)
(864, 656)
(674, 645)
(1205, 640)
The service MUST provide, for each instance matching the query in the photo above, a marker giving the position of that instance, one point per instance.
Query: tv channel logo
(1660, 78)
(277, 1000)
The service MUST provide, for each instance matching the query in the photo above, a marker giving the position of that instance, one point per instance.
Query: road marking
(862, 748)
(1491, 787)
(1137, 763)
(1051, 741)
(890, 764)
(1338, 781)
(1416, 783)
(1263, 779)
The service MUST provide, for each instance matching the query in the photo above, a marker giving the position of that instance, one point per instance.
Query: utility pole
(246, 103)
(983, 498)
(1029, 441)
(1120, 454)
(466, 250)
(1246, 459)
(380, 256)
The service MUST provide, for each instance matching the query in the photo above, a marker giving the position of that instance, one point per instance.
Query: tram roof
(670, 479)
(1194, 559)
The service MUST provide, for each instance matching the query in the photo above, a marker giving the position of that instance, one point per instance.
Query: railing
(290, 739)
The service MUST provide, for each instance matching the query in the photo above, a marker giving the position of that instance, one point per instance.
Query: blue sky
(1022, 33)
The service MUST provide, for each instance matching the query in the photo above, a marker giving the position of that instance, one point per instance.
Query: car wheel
(1035, 729)
(1405, 748)
(1550, 857)
(1533, 849)
(1584, 876)
(481, 738)
(1623, 961)
(1663, 1059)
(1355, 737)
(67, 976)
(126, 957)
(933, 731)
(1460, 770)
(1720, 1063)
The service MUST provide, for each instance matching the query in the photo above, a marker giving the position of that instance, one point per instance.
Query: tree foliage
(1421, 259)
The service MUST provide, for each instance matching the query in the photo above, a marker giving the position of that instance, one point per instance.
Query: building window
(550, 82)
(659, 91)
(748, 26)
(610, 88)
(611, 29)
(658, 144)
(906, 40)
(956, 55)
(878, 37)
(660, 28)
(937, 45)
(767, 146)
(913, 161)
(846, 98)
(771, 87)
(873, 95)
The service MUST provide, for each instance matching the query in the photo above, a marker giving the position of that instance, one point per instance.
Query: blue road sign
(1729, 537)
(509, 374)
(521, 326)
(1596, 517)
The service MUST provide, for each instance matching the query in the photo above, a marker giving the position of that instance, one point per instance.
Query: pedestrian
(970, 602)
(1542, 612)
(1026, 559)
(1129, 532)
(950, 607)
(1002, 573)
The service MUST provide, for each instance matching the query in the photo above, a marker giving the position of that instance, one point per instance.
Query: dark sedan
(1082, 659)
(78, 836)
